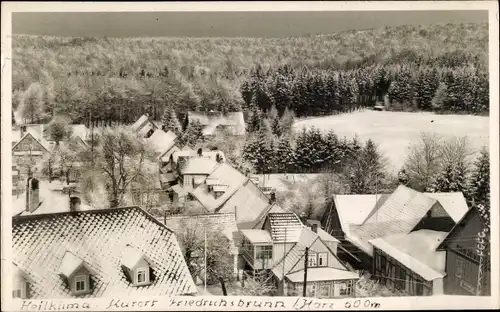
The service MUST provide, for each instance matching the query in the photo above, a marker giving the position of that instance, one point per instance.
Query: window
(322, 259)
(142, 275)
(324, 291)
(311, 291)
(17, 293)
(312, 260)
(345, 288)
(80, 283)
(264, 252)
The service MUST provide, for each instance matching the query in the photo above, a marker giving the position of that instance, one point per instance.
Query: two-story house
(86, 254)
(284, 249)
(462, 255)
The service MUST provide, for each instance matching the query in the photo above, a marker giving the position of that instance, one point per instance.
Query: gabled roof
(285, 223)
(454, 203)
(354, 209)
(97, 238)
(198, 165)
(234, 121)
(28, 134)
(141, 122)
(162, 141)
(132, 256)
(216, 222)
(69, 264)
(274, 208)
(460, 224)
(416, 251)
(306, 239)
(226, 175)
(247, 203)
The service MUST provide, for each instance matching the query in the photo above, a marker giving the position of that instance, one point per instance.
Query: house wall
(19, 282)
(323, 289)
(399, 278)
(141, 264)
(462, 260)
(319, 247)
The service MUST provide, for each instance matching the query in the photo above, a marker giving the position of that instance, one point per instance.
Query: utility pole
(284, 261)
(481, 251)
(306, 260)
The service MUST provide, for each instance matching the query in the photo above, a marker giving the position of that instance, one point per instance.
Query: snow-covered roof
(131, 256)
(416, 251)
(99, 238)
(198, 165)
(227, 175)
(136, 126)
(257, 236)
(454, 203)
(322, 274)
(52, 200)
(69, 264)
(162, 141)
(354, 209)
(234, 121)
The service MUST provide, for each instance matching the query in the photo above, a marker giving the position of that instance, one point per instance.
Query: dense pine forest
(440, 68)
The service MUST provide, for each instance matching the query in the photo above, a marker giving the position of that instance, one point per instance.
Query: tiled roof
(234, 120)
(453, 203)
(97, 238)
(257, 236)
(285, 223)
(274, 208)
(247, 203)
(217, 222)
(226, 175)
(416, 251)
(319, 274)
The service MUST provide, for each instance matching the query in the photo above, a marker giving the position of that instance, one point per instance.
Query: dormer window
(136, 267)
(76, 274)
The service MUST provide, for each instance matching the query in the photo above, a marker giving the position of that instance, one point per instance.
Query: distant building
(233, 123)
(30, 146)
(462, 258)
(145, 126)
(97, 253)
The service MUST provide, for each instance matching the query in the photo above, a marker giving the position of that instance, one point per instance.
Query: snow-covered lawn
(394, 131)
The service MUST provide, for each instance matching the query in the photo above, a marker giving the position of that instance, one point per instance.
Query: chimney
(74, 203)
(32, 195)
(273, 197)
(23, 130)
(314, 228)
(200, 151)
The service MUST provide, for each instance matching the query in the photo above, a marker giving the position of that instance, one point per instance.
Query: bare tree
(124, 161)
(424, 160)
(255, 286)
(219, 260)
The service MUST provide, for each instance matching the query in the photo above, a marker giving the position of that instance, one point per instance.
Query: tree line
(113, 81)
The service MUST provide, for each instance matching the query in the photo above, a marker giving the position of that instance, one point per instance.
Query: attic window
(150, 133)
(76, 273)
(81, 283)
(136, 267)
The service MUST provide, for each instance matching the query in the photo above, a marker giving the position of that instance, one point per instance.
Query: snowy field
(394, 131)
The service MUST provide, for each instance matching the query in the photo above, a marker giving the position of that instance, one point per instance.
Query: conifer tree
(452, 178)
(285, 156)
(170, 121)
(480, 180)
(258, 152)
(333, 152)
(193, 134)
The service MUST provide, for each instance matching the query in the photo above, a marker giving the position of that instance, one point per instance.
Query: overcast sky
(225, 24)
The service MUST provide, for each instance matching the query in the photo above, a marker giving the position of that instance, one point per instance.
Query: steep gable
(29, 143)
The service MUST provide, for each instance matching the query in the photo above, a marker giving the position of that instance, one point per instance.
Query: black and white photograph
(311, 158)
